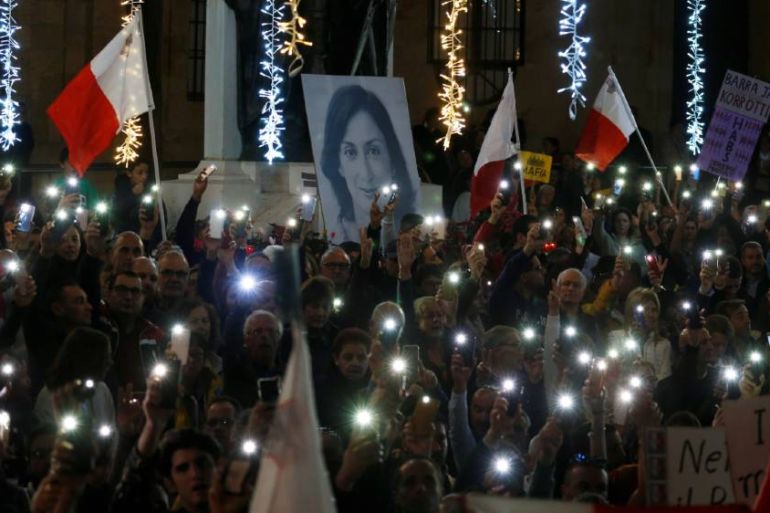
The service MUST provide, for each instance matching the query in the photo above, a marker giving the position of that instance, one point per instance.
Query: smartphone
(580, 230)
(513, 396)
(207, 171)
(269, 390)
(235, 476)
(217, 219)
(652, 264)
(308, 208)
(693, 316)
(411, 354)
(505, 189)
(169, 385)
(62, 222)
(80, 440)
(24, 218)
(148, 354)
(388, 336)
(424, 414)
(465, 347)
(146, 210)
(180, 343)
(102, 216)
(81, 217)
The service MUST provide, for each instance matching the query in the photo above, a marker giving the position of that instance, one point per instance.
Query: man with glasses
(335, 265)
(123, 323)
(147, 271)
(173, 273)
(220, 422)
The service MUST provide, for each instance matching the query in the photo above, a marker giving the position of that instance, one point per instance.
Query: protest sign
(742, 107)
(748, 440)
(687, 467)
(536, 166)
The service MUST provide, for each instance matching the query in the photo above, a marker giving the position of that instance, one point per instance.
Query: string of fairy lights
(696, 71)
(272, 113)
(9, 75)
(573, 64)
(295, 38)
(128, 151)
(452, 91)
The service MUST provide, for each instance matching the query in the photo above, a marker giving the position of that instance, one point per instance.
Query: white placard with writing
(697, 468)
(748, 439)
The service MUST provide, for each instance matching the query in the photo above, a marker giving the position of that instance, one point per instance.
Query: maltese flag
(609, 127)
(110, 89)
(495, 150)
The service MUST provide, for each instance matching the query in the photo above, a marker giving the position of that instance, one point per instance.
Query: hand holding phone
(207, 171)
(24, 218)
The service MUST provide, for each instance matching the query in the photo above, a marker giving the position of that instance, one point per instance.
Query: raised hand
(375, 214)
(554, 302)
(496, 208)
(406, 256)
(460, 373)
(25, 291)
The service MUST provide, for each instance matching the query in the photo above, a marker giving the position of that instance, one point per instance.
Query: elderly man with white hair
(257, 359)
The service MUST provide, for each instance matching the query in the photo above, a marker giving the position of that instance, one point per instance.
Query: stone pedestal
(272, 192)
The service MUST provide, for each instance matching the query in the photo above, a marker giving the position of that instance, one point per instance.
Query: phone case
(180, 344)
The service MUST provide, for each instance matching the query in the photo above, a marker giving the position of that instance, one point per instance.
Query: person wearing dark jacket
(257, 359)
(317, 304)
(346, 385)
(130, 185)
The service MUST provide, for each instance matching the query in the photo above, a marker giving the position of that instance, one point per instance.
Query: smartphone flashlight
(502, 465)
(105, 431)
(454, 278)
(627, 250)
(625, 396)
(160, 370)
(635, 382)
(247, 283)
(565, 402)
(584, 357)
(398, 366)
(249, 447)
(631, 344)
(504, 185)
(730, 374)
(363, 418)
(7, 369)
(389, 324)
(52, 192)
(752, 219)
(647, 186)
(239, 215)
(707, 204)
(61, 215)
(686, 195)
(508, 384)
(601, 365)
(755, 357)
(12, 266)
(147, 199)
(613, 354)
(69, 423)
(72, 182)
(529, 334)
(570, 331)
(547, 224)
(337, 303)
(291, 222)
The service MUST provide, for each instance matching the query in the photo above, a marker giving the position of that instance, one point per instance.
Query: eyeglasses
(339, 266)
(168, 273)
(223, 421)
(122, 289)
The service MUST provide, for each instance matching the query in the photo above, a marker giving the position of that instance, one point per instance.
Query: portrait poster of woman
(362, 141)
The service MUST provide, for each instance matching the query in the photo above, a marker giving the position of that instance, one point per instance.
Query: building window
(494, 42)
(196, 57)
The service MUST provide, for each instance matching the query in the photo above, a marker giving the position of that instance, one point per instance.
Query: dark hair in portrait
(346, 103)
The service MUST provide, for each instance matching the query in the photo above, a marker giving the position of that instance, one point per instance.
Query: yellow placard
(537, 166)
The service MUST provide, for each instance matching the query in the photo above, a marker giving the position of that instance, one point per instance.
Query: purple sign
(742, 108)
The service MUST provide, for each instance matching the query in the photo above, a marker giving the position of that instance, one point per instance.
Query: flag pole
(153, 141)
(518, 144)
(639, 133)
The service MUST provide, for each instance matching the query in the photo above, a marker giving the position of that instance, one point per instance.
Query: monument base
(272, 192)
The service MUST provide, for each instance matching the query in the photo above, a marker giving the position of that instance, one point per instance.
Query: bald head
(128, 246)
(147, 271)
(335, 265)
(571, 287)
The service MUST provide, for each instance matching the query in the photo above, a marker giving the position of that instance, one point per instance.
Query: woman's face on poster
(364, 162)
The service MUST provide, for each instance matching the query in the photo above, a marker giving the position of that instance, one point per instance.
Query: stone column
(221, 139)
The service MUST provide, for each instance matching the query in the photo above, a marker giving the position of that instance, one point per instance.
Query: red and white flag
(495, 150)
(292, 476)
(110, 89)
(609, 127)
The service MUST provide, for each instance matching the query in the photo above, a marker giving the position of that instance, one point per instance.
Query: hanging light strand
(272, 113)
(295, 38)
(128, 152)
(573, 65)
(9, 107)
(452, 92)
(696, 71)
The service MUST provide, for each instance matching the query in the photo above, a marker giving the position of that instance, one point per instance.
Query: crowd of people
(514, 354)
